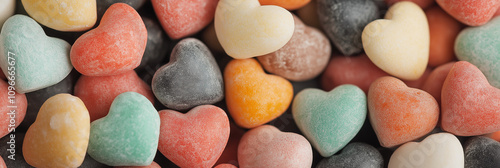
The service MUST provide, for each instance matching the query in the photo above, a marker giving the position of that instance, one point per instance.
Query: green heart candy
(31, 59)
(330, 119)
(481, 46)
(128, 135)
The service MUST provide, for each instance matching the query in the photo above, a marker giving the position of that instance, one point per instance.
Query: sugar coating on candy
(482, 152)
(470, 12)
(266, 146)
(253, 97)
(245, 29)
(191, 78)
(287, 4)
(11, 117)
(304, 57)
(194, 139)
(422, 3)
(6, 10)
(128, 135)
(330, 119)
(399, 43)
(98, 92)
(183, 18)
(344, 20)
(355, 154)
(115, 46)
(469, 104)
(400, 114)
(478, 45)
(443, 30)
(102, 5)
(436, 150)
(38, 61)
(60, 134)
(434, 83)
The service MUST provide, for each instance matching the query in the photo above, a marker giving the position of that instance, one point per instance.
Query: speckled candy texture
(479, 46)
(354, 155)
(39, 61)
(128, 135)
(482, 152)
(194, 139)
(330, 119)
(12, 110)
(60, 135)
(344, 21)
(470, 12)
(191, 78)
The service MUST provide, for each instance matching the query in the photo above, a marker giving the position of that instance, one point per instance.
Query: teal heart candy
(35, 60)
(481, 47)
(330, 119)
(128, 135)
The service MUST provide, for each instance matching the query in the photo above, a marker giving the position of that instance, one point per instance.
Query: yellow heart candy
(245, 29)
(399, 44)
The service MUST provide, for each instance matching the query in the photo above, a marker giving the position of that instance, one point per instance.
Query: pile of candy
(250, 83)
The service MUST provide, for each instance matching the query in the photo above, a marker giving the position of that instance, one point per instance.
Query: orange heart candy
(254, 98)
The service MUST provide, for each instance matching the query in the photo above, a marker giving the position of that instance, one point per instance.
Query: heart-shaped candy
(63, 15)
(287, 4)
(470, 12)
(191, 78)
(330, 119)
(245, 29)
(422, 3)
(253, 97)
(399, 44)
(194, 139)
(115, 46)
(266, 146)
(183, 18)
(35, 60)
(398, 113)
(12, 108)
(60, 134)
(478, 45)
(482, 152)
(469, 105)
(437, 150)
(128, 135)
(355, 154)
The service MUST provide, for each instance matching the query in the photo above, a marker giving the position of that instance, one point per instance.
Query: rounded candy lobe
(287, 4)
(434, 83)
(443, 31)
(470, 12)
(6, 10)
(481, 152)
(355, 154)
(13, 107)
(422, 3)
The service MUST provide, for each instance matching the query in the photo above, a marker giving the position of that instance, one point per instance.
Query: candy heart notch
(437, 150)
(253, 97)
(183, 18)
(469, 105)
(63, 15)
(35, 60)
(60, 135)
(355, 154)
(399, 44)
(114, 47)
(245, 29)
(478, 45)
(191, 78)
(194, 139)
(398, 113)
(330, 119)
(266, 146)
(470, 12)
(128, 135)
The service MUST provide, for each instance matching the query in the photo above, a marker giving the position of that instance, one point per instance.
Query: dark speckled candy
(191, 78)
(354, 155)
(482, 152)
(344, 20)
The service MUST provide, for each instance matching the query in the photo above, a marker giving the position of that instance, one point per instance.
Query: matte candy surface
(479, 46)
(115, 46)
(434, 82)
(422, 3)
(194, 139)
(60, 134)
(287, 4)
(266, 146)
(253, 97)
(128, 135)
(330, 119)
(63, 15)
(191, 78)
(6, 10)
(482, 152)
(470, 12)
(183, 18)
(400, 114)
(304, 57)
(38, 61)
(443, 31)
(354, 155)
(436, 151)
(399, 44)
(468, 98)
(12, 109)
(245, 29)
